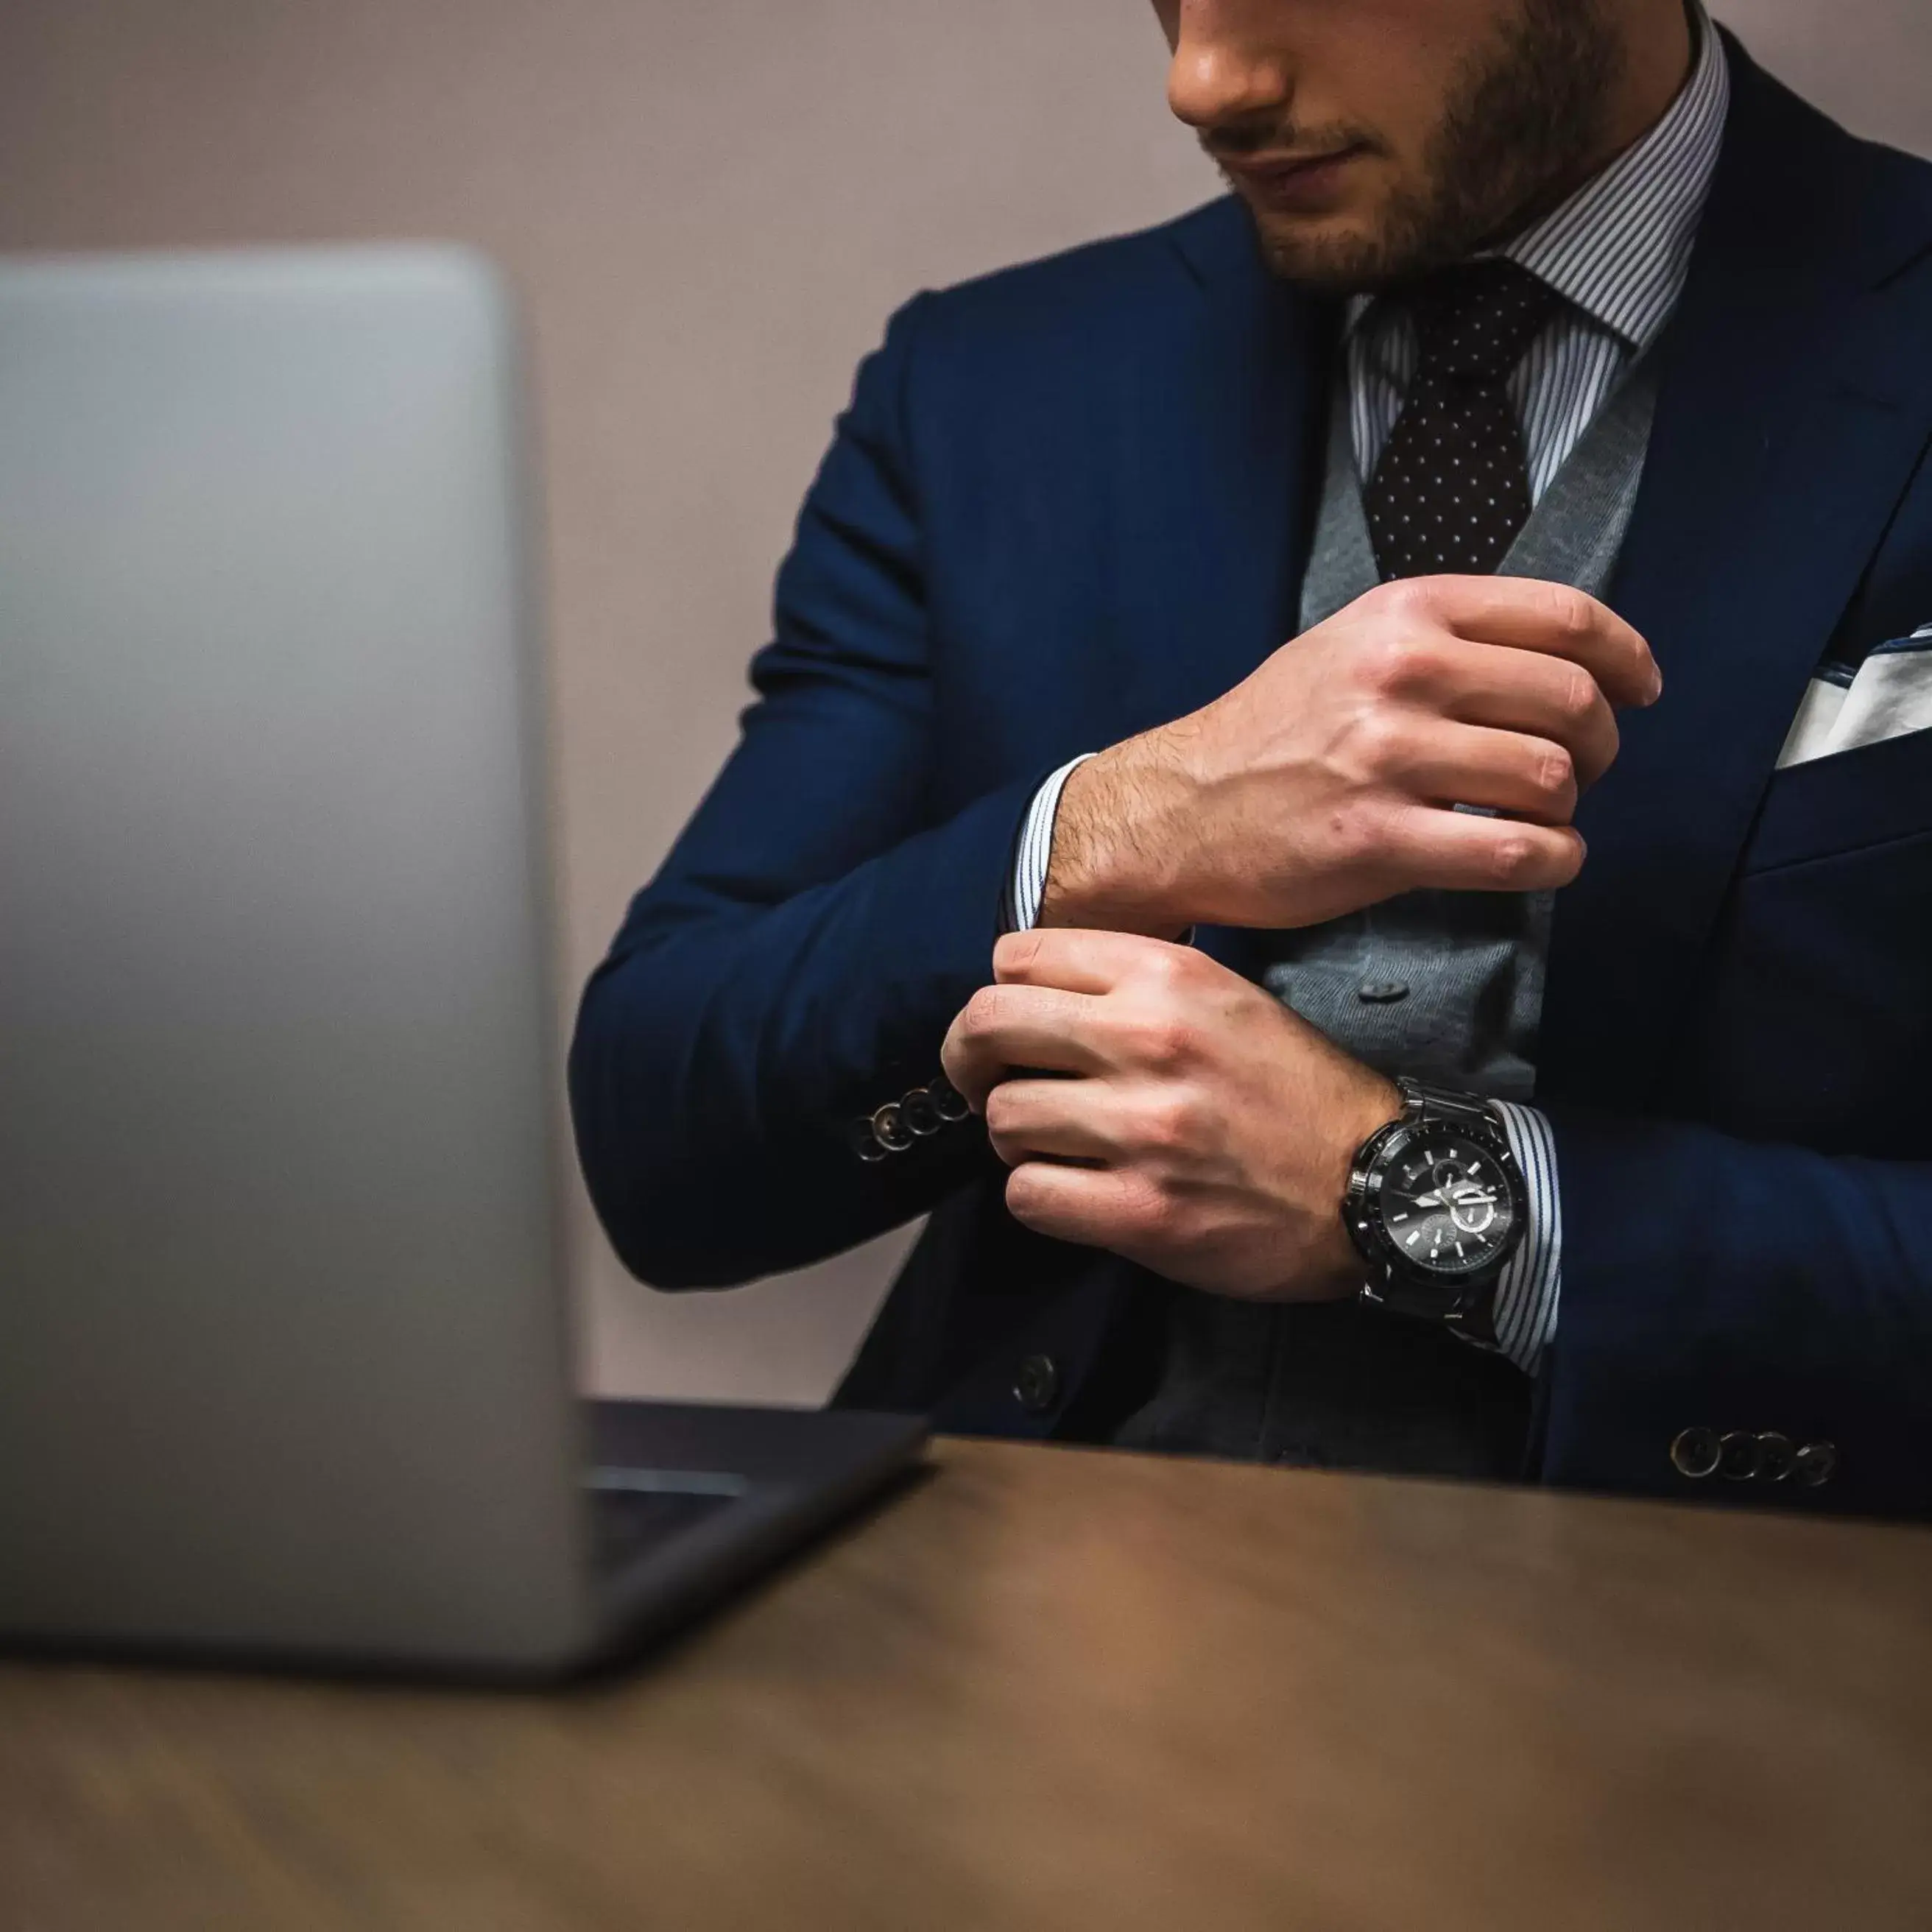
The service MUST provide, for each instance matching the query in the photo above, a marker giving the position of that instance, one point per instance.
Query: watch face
(1445, 1204)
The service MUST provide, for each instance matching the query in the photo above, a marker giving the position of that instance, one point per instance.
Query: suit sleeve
(798, 958)
(1711, 1282)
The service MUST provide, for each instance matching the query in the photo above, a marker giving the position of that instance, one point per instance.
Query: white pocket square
(1887, 695)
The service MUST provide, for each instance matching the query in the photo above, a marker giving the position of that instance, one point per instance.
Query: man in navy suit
(1375, 732)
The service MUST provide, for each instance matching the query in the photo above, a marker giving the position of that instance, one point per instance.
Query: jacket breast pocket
(1843, 803)
(1813, 1024)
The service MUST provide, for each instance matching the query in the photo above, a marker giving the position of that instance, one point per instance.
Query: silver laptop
(285, 1368)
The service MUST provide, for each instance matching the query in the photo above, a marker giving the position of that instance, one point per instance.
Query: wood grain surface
(1050, 1688)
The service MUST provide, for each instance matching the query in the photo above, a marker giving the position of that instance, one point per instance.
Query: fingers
(1099, 1208)
(1001, 1027)
(1066, 1120)
(1035, 1018)
(1080, 960)
(1544, 697)
(1447, 764)
(1460, 851)
(1527, 614)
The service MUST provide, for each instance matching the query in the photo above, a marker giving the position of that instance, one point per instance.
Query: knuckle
(1179, 973)
(1577, 699)
(1378, 743)
(1406, 599)
(1513, 857)
(1569, 612)
(1015, 952)
(1162, 1041)
(1164, 969)
(1388, 663)
(1168, 1122)
(1556, 773)
(1153, 1213)
(986, 1014)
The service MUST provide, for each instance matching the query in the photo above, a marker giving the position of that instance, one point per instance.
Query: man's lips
(1292, 182)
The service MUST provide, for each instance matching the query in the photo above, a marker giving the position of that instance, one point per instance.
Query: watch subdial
(1471, 1201)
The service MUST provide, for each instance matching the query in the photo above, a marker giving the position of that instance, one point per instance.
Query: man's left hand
(1150, 1101)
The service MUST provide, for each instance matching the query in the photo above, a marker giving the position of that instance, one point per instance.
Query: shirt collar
(1619, 248)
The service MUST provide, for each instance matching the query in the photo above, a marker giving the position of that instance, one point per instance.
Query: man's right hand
(1324, 782)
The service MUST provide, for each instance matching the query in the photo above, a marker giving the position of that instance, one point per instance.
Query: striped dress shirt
(1619, 250)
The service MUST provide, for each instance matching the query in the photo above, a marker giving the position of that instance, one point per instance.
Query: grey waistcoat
(1446, 986)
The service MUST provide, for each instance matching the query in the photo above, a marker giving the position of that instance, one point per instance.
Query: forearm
(1115, 852)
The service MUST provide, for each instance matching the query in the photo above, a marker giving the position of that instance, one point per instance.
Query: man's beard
(1525, 116)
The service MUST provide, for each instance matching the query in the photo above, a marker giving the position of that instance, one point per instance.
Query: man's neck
(1659, 49)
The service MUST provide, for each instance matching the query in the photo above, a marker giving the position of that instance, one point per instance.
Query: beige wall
(711, 205)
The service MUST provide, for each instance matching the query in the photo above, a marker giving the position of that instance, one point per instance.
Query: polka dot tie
(1452, 488)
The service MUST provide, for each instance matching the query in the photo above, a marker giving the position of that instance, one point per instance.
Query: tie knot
(1475, 321)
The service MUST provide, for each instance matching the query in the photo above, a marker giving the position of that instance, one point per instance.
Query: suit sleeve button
(1036, 1384)
(1737, 1456)
(1817, 1462)
(948, 1103)
(888, 1124)
(920, 1115)
(1695, 1452)
(864, 1143)
(1776, 1455)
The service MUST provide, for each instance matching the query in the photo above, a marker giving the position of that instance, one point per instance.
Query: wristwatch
(1435, 1205)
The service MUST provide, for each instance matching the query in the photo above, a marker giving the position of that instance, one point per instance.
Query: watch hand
(1456, 1192)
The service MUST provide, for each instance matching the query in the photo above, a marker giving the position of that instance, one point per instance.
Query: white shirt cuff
(1019, 906)
(1532, 1278)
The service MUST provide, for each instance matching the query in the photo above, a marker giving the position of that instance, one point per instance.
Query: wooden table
(1077, 1690)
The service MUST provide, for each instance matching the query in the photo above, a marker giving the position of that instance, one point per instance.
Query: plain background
(710, 207)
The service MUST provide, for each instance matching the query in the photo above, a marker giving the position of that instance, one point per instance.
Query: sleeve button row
(1036, 1384)
(1740, 1456)
(904, 1123)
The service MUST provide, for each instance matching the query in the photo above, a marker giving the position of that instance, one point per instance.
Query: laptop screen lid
(282, 1352)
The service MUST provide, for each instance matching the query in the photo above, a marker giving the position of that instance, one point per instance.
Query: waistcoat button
(1382, 992)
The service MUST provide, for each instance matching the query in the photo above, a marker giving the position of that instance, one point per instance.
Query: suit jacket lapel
(1214, 490)
(1220, 523)
(1793, 410)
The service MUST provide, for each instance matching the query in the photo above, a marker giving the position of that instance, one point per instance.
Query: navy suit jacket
(1074, 500)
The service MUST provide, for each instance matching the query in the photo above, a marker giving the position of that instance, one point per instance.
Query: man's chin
(1344, 252)
(1332, 256)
